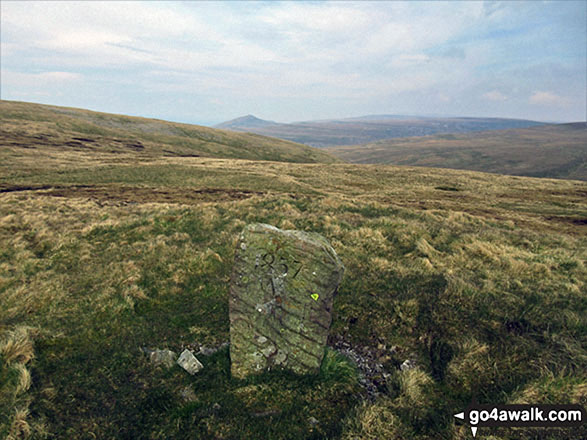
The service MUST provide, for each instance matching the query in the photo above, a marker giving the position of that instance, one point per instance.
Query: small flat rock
(407, 365)
(189, 362)
(207, 351)
(164, 358)
(281, 294)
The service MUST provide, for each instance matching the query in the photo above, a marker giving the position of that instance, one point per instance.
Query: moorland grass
(556, 151)
(55, 126)
(103, 255)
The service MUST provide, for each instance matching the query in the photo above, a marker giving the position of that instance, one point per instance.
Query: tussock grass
(16, 346)
(337, 368)
(404, 413)
(482, 288)
(16, 351)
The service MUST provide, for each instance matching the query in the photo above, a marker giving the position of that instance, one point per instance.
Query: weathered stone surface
(164, 358)
(189, 362)
(281, 293)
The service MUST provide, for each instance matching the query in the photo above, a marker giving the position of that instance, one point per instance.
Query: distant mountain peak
(248, 118)
(247, 121)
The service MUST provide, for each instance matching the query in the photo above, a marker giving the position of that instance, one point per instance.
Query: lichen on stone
(282, 288)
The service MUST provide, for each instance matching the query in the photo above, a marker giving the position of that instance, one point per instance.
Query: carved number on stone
(299, 268)
(272, 286)
(269, 259)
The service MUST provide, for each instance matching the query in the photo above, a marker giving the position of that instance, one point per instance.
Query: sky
(206, 62)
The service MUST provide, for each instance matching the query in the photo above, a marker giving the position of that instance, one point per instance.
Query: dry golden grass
(374, 422)
(19, 429)
(17, 346)
(16, 350)
(100, 254)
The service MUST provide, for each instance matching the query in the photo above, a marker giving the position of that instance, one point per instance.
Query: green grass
(479, 279)
(109, 133)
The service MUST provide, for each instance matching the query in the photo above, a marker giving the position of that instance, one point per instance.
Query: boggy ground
(477, 279)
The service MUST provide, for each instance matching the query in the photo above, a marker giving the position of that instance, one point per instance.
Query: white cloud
(334, 17)
(493, 8)
(130, 18)
(58, 76)
(442, 97)
(99, 33)
(39, 85)
(408, 60)
(548, 98)
(126, 33)
(380, 52)
(37, 79)
(495, 95)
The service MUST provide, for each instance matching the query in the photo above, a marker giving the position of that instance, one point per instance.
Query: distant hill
(558, 151)
(28, 125)
(370, 128)
(248, 121)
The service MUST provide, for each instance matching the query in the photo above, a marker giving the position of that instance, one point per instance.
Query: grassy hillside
(558, 151)
(479, 280)
(361, 130)
(43, 126)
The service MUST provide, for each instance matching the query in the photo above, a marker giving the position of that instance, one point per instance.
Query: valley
(555, 151)
(361, 130)
(117, 236)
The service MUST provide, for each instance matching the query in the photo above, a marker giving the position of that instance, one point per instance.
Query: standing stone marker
(281, 293)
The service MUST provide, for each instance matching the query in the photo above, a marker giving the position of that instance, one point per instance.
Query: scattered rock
(188, 394)
(164, 358)
(282, 288)
(189, 362)
(372, 373)
(268, 413)
(407, 365)
(208, 351)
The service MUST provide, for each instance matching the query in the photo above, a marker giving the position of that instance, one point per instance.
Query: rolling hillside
(558, 151)
(44, 126)
(475, 281)
(366, 129)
